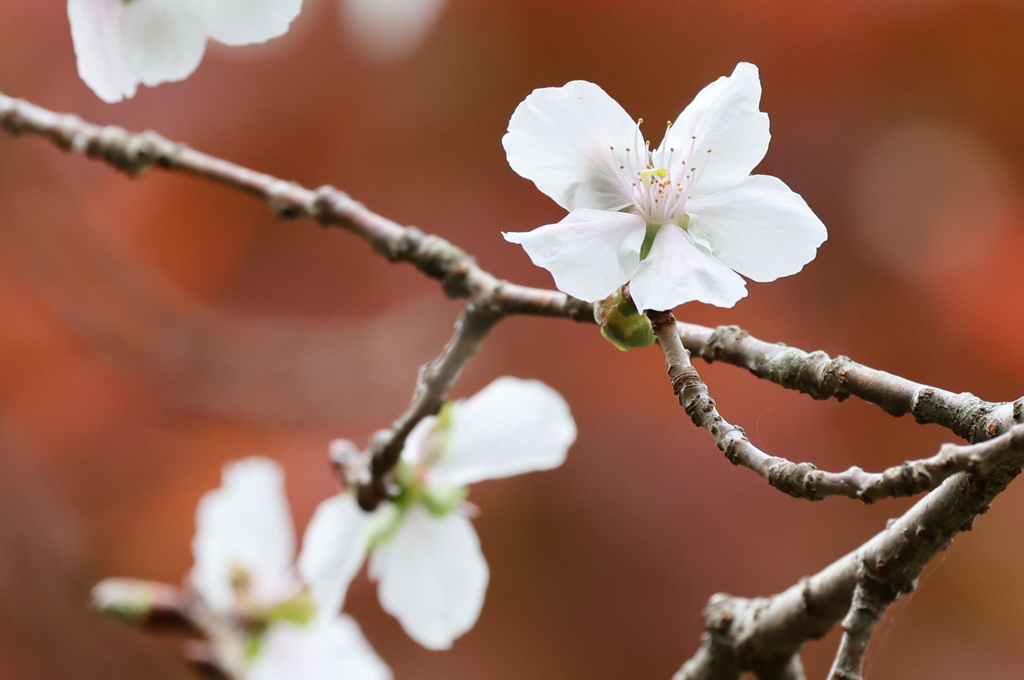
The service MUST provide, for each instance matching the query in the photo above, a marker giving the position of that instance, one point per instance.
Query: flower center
(660, 181)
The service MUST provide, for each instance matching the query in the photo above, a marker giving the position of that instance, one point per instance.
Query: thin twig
(804, 480)
(822, 377)
(870, 599)
(367, 473)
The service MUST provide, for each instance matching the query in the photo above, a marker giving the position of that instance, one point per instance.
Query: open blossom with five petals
(244, 548)
(121, 43)
(677, 222)
(425, 553)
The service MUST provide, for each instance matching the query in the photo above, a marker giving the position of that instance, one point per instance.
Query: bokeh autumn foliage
(152, 329)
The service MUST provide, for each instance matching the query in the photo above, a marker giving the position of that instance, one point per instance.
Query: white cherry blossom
(121, 43)
(425, 553)
(244, 549)
(677, 222)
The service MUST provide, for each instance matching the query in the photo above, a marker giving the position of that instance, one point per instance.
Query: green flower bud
(142, 604)
(621, 323)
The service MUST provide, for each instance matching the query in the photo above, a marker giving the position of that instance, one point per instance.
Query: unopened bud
(621, 323)
(143, 604)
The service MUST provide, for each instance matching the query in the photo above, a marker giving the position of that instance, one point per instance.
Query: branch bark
(870, 600)
(822, 377)
(796, 368)
(134, 153)
(762, 634)
(368, 475)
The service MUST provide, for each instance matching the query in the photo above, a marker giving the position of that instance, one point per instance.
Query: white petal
(164, 40)
(333, 549)
(245, 524)
(677, 271)
(559, 137)
(420, 441)
(725, 118)
(589, 253)
(334, 650)
(102, 64)
(761, 228)
(390, 29)
(510, 427)
(242, 22)
(432, 577)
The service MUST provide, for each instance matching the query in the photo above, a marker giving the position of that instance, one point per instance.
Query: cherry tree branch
(803, 480)
(868, 605)
(761, 635)
(814, 373)
(764, 634)
(822, 377)
(134, 153)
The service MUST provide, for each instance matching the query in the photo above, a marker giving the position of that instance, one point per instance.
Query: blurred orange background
(153, 329)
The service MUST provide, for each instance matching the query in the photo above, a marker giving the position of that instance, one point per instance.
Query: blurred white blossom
(246, 596)
(425, 553)
(677, 222)
(121, 43)
(390, 29)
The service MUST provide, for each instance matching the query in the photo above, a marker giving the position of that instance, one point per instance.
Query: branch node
(720, 340)
(283, 200)
(799, 480)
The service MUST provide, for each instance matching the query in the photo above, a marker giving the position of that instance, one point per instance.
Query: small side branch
(870, 599)
(763, 632)
(804, 480)
(368, 474)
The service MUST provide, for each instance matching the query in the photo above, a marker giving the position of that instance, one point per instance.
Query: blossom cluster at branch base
(267, 616)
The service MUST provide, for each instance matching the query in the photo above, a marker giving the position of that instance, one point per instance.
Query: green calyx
(440, 499)
(621, 323)
(297, 609)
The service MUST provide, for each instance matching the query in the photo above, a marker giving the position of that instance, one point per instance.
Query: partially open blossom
(121, 43)
(247, 598)
(676, 222)
(424, 551)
